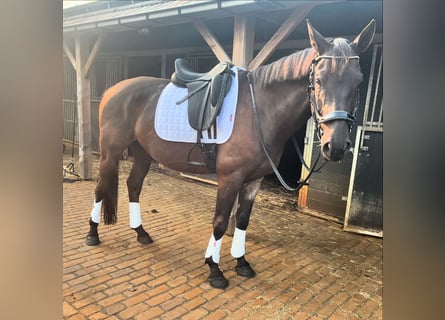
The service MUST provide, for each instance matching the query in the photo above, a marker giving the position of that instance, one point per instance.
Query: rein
(274, 167)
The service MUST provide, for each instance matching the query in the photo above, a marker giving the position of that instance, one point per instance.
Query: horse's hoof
(145, 239)
(218, 282)
(92, 240)
(245, 271)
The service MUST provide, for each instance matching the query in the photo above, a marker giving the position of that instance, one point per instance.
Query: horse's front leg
(225, 197)
(246, 200)
(141, 165)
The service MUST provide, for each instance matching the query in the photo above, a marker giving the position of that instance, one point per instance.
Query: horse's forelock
(340, 48)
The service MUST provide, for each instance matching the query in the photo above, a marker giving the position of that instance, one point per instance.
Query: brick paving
(307, 268)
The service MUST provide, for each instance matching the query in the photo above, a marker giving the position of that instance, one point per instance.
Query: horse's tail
(108, 181)
(106, 191)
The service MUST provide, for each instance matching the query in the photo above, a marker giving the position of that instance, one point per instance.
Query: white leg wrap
(213, 249)
(135, 214)
(238, 243)
(95, 212)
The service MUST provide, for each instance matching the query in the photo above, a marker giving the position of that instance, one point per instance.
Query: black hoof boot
(244, 269)
(216, 278)
(92, 237)
(143, 236)
(92, 240)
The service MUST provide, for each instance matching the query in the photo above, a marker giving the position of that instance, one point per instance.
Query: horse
(274, 101)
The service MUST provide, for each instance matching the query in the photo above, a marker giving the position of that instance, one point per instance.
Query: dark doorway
(290, 164)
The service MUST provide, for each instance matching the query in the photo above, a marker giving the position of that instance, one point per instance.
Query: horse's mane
(297, 65)
(292, 67)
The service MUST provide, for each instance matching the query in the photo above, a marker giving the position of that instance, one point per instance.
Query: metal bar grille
(113, 72)
(373, 114)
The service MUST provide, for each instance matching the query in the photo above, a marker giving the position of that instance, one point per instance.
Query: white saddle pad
(171, 120)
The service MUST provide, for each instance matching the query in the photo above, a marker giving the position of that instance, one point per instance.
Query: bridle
(318, 117)
(317, 114)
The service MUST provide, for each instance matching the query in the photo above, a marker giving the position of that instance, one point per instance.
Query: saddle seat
(184, 73)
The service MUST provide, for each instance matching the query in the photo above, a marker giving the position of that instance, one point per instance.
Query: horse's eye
(318, 81)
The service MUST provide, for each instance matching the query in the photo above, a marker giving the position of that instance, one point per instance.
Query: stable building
(108, 41)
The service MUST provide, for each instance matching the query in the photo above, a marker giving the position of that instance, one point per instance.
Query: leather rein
(318, 119)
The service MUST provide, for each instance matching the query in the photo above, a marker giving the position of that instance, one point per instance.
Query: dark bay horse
(322, 80)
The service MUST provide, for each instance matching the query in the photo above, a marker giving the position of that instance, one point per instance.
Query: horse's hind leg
(246, 199)
(105, 193)
(139, 170)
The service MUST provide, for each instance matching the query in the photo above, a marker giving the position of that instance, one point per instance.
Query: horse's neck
(283, 108)
(281, 88)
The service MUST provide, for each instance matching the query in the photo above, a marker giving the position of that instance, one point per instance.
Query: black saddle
(206, 93)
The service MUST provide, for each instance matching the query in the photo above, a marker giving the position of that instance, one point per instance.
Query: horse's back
(130, 95)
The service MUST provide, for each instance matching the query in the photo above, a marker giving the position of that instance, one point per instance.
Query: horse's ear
(364, 39)
(318, 42)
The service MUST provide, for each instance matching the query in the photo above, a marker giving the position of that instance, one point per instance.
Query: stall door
(364, 208)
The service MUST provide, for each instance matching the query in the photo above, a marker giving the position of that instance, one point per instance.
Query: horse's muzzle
(332, 151)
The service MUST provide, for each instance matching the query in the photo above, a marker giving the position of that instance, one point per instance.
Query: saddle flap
(206, 101)
(219, 88)
(197, 103)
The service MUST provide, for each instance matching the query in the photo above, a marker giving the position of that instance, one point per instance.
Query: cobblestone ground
(307, 268)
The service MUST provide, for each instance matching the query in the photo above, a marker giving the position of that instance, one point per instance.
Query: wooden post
(82, 63)
(83, 109)
(307, 156)
(243, 40)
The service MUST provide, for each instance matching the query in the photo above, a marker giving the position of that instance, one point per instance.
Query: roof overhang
(163, 13)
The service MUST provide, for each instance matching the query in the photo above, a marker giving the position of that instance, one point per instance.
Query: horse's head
(333, 89)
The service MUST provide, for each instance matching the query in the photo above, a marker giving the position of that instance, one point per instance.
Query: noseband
(317, 115)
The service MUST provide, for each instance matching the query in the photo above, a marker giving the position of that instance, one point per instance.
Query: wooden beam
(270, 20)
(285, 44)
(69, 54)
(294, 19)
(83, 110)
(164, 65)
(243, 40)
(89, 63)
(216, 47)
